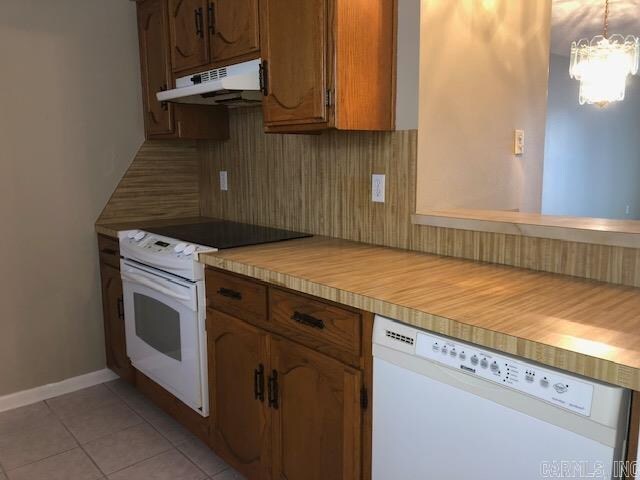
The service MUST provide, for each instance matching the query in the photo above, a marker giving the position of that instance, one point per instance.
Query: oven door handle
(139, 279)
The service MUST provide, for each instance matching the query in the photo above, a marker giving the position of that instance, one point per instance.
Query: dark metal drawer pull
(258, 382)
(263, 74)
(273, 390)
(109, 251)
(308, 320)
(227, 292)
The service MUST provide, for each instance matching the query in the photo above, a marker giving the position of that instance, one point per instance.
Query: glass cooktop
(222, 234)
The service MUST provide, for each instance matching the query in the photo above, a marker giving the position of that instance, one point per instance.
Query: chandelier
(603, 64)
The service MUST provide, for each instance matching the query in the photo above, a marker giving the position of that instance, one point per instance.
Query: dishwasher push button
(561, 388)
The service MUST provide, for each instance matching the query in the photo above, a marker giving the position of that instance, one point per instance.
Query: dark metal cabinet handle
(199, 20)
(212, 18)
(308, 320)
(273, 390)
(121, 308)
(258, 382)
(227, 292)
(164, 105)
(263, 72)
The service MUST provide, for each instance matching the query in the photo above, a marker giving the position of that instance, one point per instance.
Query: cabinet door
(239, 420)
(316, 418)
(295, 48)
(113, 312)
(153, 30)
(233, 28)
(188, 26)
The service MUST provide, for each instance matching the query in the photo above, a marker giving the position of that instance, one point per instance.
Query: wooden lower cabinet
(315, 415)
(281, 410)
(239, 415)
(113, 316)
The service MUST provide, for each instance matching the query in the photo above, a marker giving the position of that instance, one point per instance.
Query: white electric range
(164, 299)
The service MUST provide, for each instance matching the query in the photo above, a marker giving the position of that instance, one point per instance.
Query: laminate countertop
(581, 326)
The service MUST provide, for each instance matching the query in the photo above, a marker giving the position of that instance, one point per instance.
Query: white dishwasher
(445, 409)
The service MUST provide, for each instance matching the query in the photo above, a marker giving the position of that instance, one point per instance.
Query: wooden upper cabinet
(316, 423)
(330, 64)
(234, 30)
(188, 26)
(167, 120)
(153, 31)
(238, 366)
(295, 49)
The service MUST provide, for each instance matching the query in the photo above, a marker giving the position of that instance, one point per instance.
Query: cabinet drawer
(327, 328)
(109, 250)
(236, 296)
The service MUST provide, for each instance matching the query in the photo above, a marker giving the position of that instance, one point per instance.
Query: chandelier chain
(606, 19)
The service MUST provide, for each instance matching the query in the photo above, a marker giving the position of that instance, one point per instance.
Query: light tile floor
(109, 431)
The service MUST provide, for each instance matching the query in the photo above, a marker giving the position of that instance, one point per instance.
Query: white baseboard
(33, 395)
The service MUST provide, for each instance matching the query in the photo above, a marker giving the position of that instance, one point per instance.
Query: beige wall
(483, 74)
(70, 123)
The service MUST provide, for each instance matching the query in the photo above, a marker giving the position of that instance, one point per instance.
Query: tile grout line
(106, 475)
(39, 460)
(139, 462)
(51, 412)
(77, 441)
(176, 446)
(172, 446)
(144, 421)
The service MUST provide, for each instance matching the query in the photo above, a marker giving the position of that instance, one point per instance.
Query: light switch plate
(377, 188)
(224, 184)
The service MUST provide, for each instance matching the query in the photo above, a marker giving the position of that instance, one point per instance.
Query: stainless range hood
(235, 86)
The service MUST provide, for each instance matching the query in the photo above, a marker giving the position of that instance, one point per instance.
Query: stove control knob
(132, 233)
(494, 367)
(474, 360)
(189, 249)
(180, 247)
(139, 236)
(484, 363)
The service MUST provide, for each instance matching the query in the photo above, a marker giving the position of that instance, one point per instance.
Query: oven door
(164, 332)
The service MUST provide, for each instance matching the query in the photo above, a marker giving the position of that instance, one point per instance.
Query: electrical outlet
(377, 188)
(518, 147)
(224, 184)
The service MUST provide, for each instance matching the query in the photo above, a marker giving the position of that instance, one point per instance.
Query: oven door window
(158, 325)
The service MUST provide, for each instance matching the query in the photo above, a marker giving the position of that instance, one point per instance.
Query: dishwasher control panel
(548, 385)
